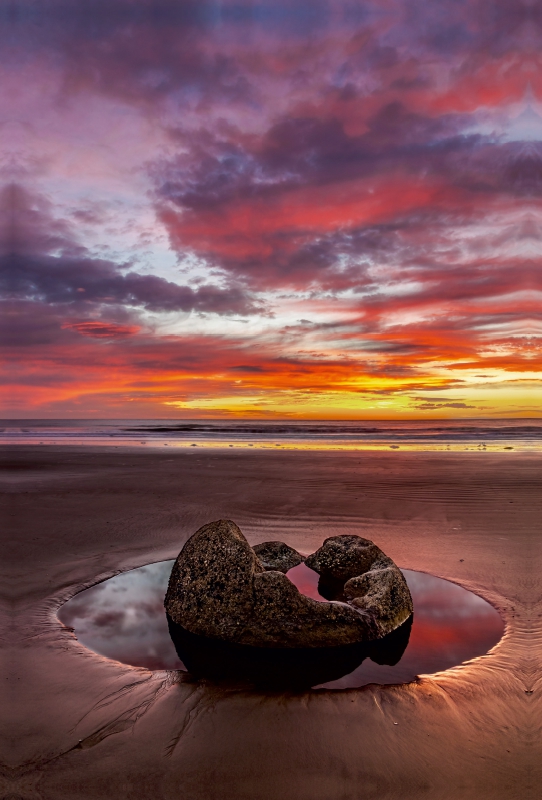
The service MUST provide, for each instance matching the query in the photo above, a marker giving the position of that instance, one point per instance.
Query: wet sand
(76, 725)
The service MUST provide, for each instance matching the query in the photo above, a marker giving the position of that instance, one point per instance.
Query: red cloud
(318, 160)
(102, 330)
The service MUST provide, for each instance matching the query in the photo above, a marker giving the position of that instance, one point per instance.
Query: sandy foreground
(76, 725)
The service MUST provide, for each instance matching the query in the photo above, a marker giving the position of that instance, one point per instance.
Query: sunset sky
(271, 209)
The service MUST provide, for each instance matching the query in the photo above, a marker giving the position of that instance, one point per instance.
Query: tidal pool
(123, 618)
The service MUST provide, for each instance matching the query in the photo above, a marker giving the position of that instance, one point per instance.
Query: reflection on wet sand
(123, 618)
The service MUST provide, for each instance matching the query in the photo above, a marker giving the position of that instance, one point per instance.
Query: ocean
(469, 434)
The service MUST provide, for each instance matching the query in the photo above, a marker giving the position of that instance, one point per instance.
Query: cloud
(39, 260)
(102, 330)
(249, 368)
(435, 406)
(359, 168)
(309, 206)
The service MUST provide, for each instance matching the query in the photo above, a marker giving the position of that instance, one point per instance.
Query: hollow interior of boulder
(311, 584)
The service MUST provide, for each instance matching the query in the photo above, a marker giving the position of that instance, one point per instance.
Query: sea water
(470, 434)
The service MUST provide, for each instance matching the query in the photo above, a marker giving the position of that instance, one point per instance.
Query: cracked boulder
(222, 588)
(367, 579)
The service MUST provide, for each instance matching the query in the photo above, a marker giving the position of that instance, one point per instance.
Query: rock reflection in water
(124, 619)
(281, 668)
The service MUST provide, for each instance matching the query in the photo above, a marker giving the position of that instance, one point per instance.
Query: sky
(325, 209)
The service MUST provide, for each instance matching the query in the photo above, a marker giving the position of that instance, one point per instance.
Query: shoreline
(382, 447)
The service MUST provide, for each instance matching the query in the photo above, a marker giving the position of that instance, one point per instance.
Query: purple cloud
(39, 261)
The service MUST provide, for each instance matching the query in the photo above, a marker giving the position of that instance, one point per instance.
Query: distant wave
(527, 432)
(303, 430)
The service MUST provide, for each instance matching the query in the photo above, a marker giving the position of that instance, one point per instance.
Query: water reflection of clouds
(445, 602)
(123, 618)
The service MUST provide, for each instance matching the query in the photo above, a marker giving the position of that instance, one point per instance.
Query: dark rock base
(275, 668)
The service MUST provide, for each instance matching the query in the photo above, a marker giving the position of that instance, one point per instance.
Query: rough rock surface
(383, 593)
(277, 556)
(210, 589)
(371, 580)
(220, 588)
(344, 557)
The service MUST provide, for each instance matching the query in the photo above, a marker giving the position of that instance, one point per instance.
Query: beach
(77, 725)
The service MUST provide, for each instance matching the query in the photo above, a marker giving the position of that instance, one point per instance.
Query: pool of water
(124, 619)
